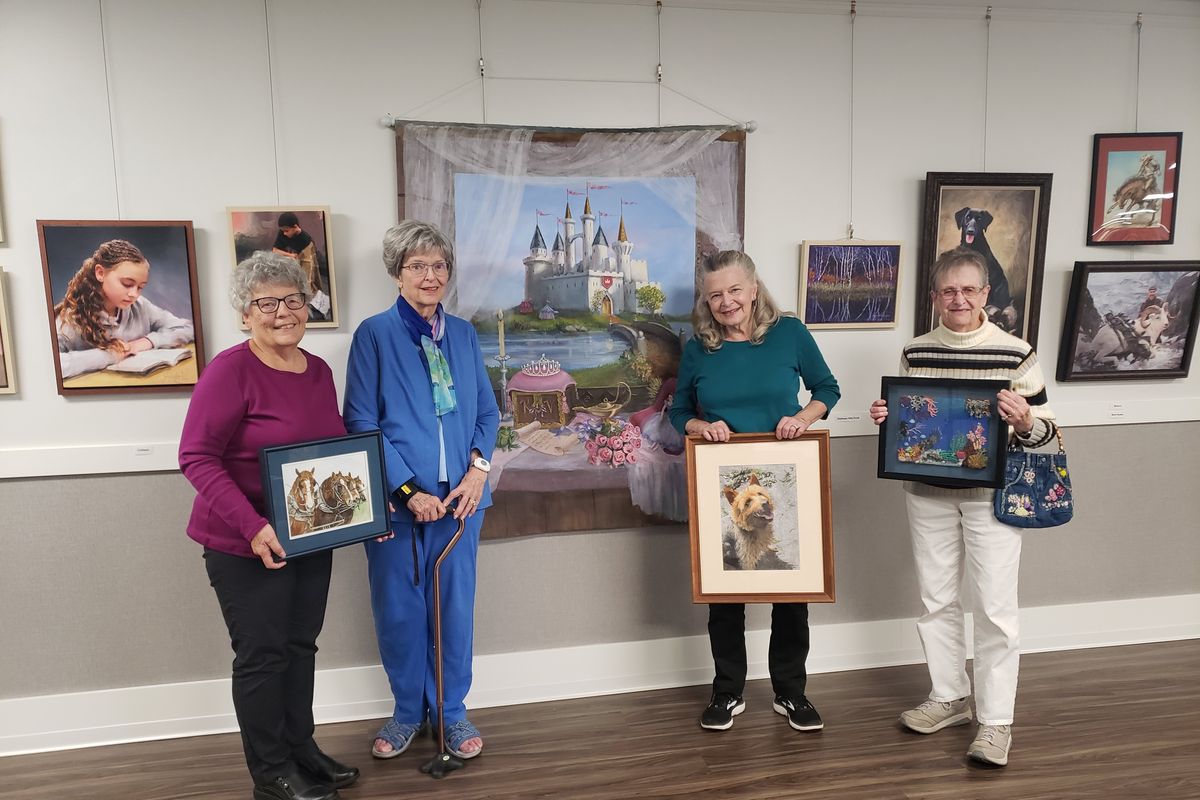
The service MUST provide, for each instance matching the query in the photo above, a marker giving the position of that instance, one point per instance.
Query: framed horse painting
(1135, 180)
(326, 493)
(1130, 320)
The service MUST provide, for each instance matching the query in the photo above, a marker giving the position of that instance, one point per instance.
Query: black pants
(785, 657)
(274, 617)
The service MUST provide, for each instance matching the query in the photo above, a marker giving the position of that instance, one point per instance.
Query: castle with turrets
(568, 278)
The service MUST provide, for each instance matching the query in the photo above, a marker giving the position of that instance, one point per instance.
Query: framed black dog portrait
(1002, 215)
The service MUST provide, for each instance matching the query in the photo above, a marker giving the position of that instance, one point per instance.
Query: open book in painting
(148, 361)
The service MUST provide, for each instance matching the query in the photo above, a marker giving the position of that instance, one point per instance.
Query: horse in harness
(337, 498)
(302, 503)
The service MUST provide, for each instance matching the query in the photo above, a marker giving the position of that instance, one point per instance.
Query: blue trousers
(402, 601)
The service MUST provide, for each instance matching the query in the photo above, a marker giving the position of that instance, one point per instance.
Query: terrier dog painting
(758, 525)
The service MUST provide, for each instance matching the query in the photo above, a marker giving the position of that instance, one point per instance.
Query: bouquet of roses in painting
(610, 442)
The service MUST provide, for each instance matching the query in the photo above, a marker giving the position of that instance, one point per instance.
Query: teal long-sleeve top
(752, 386)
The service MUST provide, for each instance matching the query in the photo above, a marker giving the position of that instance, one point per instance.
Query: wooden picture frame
(943, 430)
(1135, 188)
(8, 369)
(165, 311)
(326, 493)
(761, 519)
(254, 228)
(849, 284)
(1003, 215)
(1130, 320)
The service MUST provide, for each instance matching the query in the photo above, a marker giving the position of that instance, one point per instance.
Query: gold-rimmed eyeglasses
(439, 268)
(969, 292)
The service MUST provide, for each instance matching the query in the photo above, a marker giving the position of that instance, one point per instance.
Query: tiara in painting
(542, 367)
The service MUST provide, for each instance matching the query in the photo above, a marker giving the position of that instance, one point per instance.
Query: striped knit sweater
(986, 353)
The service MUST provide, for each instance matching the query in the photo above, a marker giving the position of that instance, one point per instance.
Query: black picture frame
(1112, 330)
(308, 509)
(1015, 206)
(905, 452)
(1135, 188)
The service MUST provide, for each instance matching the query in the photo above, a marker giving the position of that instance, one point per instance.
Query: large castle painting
(580, 281)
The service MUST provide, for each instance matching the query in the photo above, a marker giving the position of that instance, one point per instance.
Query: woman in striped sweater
(951, 526)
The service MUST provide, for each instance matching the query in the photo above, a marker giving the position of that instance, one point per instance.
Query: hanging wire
(112, 129)
(482, 81)
(271, 87)
(850, 192)
(1137, 79)
(987, 75)
(659, 7)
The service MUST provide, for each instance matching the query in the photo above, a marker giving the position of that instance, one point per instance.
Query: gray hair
(765, 312)
(414, 236)
(263, 268)
(957, 258)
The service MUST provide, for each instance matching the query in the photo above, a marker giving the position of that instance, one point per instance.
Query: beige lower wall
(100, 588)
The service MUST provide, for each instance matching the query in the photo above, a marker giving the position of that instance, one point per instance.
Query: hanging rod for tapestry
(391, 121)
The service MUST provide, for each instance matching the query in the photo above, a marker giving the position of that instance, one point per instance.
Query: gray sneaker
(991, 744)
(931, 716)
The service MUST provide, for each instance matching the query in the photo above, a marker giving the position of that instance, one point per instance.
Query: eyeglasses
(440, 268)
(269, 305)
(968, 292)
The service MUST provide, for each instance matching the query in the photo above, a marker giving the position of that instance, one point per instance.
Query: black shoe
(327, 770)
(721, 710)
(801, 716)
(295, 786)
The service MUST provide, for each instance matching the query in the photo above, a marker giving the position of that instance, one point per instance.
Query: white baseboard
(88, 719)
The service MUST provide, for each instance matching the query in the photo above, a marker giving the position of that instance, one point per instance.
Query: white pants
(960, 544)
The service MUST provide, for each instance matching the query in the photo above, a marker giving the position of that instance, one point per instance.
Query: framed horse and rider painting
(1003, 216)
(1135, 180)
(326, 493)
(1130, 320)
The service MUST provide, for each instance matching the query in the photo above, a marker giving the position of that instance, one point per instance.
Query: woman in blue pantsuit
(417, 374)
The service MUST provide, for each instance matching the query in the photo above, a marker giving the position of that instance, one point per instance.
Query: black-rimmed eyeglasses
(269, 305)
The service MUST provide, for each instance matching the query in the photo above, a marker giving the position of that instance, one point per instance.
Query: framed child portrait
(300, 232)
(123, 305)
(760, 518)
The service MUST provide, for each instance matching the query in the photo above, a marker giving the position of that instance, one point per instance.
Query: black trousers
(785, 656)
(274, 617)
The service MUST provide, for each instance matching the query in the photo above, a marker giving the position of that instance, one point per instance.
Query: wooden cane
(443, 762)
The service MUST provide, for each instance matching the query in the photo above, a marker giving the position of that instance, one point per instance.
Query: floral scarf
(429, 338)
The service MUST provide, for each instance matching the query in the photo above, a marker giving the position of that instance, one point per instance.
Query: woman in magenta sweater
(264, 392)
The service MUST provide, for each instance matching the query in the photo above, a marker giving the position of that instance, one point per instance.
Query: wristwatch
(481, 464)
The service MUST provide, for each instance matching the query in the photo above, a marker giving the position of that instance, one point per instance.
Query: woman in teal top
(741, 373)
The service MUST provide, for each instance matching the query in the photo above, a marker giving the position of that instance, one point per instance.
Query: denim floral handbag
(1037, 488)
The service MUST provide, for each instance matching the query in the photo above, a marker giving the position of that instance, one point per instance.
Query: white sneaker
(931, 716)
(991, 744)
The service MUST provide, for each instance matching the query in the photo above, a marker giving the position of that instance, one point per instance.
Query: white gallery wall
(174, 109)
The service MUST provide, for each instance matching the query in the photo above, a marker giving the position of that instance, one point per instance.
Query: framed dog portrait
(760, 516)
(8, 373)
(1130, 320)
(326, 493)
(849, 284)
(1003, 216)
(123, 305)
(1135, 180)
(300, 232)
(943, 431)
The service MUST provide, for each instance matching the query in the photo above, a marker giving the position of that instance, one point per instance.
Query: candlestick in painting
(500, 330)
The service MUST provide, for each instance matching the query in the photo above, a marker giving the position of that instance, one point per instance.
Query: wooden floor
(1113, 723)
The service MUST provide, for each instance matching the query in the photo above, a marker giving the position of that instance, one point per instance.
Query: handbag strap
(1014, 444)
